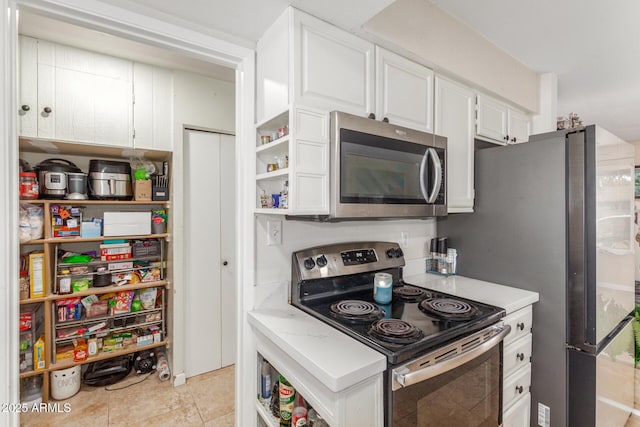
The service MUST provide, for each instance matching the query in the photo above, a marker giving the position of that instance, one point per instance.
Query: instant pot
(52, 177)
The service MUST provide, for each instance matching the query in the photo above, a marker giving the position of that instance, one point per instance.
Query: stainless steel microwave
(380, 170)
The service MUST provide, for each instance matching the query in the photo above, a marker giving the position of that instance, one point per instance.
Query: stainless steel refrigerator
(555, 215)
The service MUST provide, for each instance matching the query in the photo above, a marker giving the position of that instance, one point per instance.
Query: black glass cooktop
(415, 321)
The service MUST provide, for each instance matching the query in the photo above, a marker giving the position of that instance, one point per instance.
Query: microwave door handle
(432, 196)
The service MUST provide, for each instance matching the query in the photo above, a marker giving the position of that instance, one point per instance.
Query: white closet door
(209, 243)
(228, 249)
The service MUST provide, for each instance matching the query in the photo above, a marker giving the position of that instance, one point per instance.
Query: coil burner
(448, 309)
(409, 293)
(356, 310)
(395, 331)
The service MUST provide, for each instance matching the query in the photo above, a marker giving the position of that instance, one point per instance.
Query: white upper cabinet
(333, 69)
(519, 126)
(80, 95)
(404, 91)
(153, 107)
(454, 119)
(500, 123)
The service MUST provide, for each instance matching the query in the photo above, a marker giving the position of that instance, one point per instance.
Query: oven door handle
(411, 373)
(431, 196)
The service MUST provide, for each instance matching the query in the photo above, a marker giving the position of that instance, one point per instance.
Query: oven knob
(391, 253)
(321, 261)
(399, 253)
(309, 263)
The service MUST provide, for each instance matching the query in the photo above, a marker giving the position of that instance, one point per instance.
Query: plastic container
(29, 188)
(65, 383)
(265, 380)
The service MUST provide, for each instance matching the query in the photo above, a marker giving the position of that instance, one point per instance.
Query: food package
(123, 302)
(38, 355)
(148, 298)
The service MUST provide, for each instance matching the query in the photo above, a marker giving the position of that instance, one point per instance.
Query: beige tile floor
(206, 400)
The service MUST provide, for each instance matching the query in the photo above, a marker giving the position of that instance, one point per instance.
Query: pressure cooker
(52, 177)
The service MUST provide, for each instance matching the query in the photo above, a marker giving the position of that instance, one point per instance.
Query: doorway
(209, 222)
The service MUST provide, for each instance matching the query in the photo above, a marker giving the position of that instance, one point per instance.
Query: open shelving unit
(33, 150)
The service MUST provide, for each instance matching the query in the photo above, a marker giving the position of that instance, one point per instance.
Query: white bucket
(65, 383)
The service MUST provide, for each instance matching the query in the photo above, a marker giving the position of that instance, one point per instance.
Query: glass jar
(28, 186)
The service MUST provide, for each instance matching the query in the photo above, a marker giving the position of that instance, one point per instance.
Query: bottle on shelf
(265, 380)
(287, 396)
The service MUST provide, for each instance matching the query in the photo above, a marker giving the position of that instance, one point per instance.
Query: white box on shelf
(127, 223)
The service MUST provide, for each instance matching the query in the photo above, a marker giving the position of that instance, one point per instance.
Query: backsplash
(273, 263)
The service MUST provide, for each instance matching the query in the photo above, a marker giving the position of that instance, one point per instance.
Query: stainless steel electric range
(444, 353)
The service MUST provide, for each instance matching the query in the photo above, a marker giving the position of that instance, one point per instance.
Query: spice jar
(28, 185)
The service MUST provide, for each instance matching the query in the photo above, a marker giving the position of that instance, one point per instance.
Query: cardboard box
(65, 221)
(127, 223)
(143, 190)
(36, 275)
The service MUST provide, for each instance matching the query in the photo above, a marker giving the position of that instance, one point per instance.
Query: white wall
(273, 263)
(444, 43)
(203, 103)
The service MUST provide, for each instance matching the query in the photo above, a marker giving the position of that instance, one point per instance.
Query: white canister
(382, 285)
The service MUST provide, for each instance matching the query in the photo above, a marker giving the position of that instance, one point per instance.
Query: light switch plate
(274, 232)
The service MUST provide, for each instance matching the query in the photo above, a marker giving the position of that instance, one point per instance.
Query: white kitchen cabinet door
(153, 107)
(454, 119)
(333, 69)
(518, 126)
(492, 119)
(518, 415)
(81, 96)
(28, 87)
(404, 91)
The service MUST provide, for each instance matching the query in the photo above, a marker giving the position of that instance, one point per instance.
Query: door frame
(120, 22)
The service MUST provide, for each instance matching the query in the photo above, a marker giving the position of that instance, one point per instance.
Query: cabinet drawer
(516, 386)
(516, 354)
(520, 322)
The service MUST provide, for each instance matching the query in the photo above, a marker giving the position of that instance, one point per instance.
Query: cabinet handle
(225, 262)
(25, 107)
(506, 138)
(385, 119)
(513, 139)
(519, 389)
(520, 356)
(372, 116)
(521, 326)
(47, 110)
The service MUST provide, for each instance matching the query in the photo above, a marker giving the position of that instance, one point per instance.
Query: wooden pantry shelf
(32, 300)
(32, 373)
(95, 202)
(69, 363)
(103, 238)
(109, 289)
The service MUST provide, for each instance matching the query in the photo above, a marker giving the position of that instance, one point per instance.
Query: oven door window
(469, 395)
(378, 170)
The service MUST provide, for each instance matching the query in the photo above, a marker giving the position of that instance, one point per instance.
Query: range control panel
(359, 257)
(345, 258)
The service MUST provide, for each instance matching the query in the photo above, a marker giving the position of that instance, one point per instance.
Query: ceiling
(594, 47)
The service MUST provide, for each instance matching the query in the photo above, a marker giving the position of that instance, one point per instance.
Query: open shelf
(110, 289)
(273, 145)
(68, 363)
(32, 373)
(265, 414)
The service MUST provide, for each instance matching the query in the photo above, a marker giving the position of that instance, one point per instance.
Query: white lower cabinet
(518, 415)
(516, 399)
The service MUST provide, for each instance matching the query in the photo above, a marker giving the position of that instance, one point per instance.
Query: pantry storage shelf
(277, 145)
(32, 373)
(272, 175)
(103, 238)
(110, 289)
(68, 363)
(264, 413)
